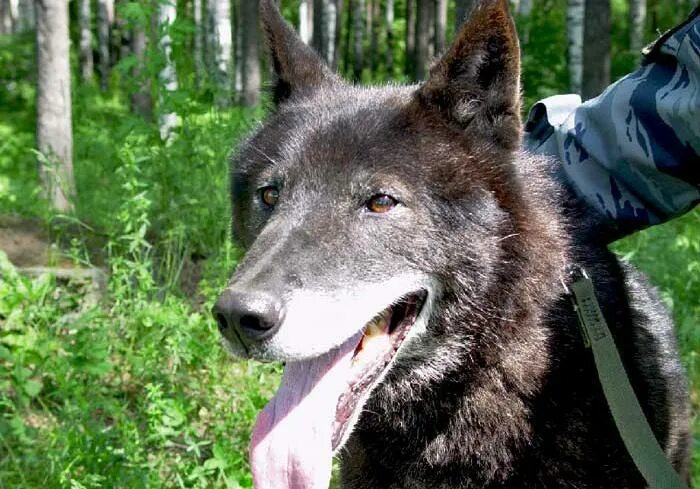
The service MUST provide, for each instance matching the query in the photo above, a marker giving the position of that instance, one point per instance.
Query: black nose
(255, 316)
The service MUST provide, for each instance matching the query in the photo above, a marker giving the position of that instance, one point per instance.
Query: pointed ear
(297, 67)
(476, 84)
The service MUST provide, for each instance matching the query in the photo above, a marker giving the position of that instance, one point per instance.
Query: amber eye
(269, 195)
(381, 203)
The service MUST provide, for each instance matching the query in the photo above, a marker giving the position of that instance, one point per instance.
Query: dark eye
(269, 195)
(381, 203)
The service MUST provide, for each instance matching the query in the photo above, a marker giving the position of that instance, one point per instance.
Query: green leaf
(32, 387)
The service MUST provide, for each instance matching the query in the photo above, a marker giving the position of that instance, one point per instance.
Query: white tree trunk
(525, 8)
(358, 37)
(221, 48)
(16, 16)
(424, 53)
(374, 18)
(431, 33)
(198, 42)
(86, 61)
(330, 14)
(390, 41)
(638, 16)
(210, 37)
(238, 64)
(167, 76)
(54, 129)
(26, 18)
(306, 20)
(524, 11)
(141, 100)
(575, 15)
(338, 28)
(105, 19)
(323, 29)
(7, 21)
(440, 26)
(250, 53)
(410, 39)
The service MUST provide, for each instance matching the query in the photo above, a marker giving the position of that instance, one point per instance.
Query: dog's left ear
(476, 84)
(296, 65)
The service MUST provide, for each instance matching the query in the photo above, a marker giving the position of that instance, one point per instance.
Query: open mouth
(320, 399)
(382, 337)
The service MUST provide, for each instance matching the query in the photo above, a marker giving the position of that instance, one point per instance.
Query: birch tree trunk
(525, 8)
(54, 131)
(7, 19)
(524, 11)
(87, 69)
(250, 53)
(105, 17)
(332, 12)
(422, 46)
(306, 20)
(596, 48)
(390, 42)
(323, 29)
(338, 32)
(198, 42)
(431, 33)
(638, 17)
(26, 16)
(410, 67)
(440, 26)
(210, 37)
(141, 100)
(16, 16)
(221, 49)
(358, 38)
(167, 13)
(575, 15)
(462, 9)
(376, 18)
(238, 62)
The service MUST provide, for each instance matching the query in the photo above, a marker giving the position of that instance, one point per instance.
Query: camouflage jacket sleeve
(633, 153)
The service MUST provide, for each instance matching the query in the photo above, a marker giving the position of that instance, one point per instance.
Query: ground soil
(26, 242)
(31, 247)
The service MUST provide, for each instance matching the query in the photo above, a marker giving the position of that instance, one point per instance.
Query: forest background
(117, 119)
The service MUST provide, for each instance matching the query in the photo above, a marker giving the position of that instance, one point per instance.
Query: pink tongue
(291, 443)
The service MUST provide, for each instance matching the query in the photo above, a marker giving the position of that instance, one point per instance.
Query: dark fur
(501, 392)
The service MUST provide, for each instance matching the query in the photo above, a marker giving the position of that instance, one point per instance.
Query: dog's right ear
(297, 66)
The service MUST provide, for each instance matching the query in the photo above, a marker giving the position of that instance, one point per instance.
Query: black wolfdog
(405, 259)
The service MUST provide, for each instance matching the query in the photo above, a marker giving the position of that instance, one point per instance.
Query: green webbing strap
(634, 429)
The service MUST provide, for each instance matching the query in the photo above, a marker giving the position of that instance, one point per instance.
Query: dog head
(342, 194)
(362, 208)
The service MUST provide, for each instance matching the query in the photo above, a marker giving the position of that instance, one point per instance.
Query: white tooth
(374, 328)
(378, 326)
(372, 347)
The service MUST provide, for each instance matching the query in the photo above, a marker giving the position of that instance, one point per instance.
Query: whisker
(507, 237)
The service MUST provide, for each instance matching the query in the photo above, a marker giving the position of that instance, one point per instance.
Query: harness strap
(631, 423)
